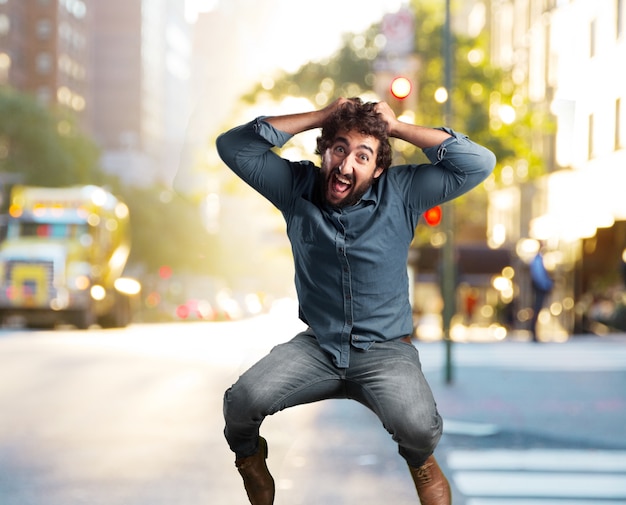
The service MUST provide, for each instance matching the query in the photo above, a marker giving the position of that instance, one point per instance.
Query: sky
(269, 35)
(317, 25)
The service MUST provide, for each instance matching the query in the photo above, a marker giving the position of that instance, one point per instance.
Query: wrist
(398, 129)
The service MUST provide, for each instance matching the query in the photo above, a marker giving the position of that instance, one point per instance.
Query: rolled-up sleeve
(246, 150)
(462, 154)
(457, 165)
(250, 139)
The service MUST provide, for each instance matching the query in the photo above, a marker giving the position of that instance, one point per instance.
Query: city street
(133, 417)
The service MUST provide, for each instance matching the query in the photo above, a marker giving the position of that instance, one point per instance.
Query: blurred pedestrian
(470, 300)
(542, 284)
(350, 224)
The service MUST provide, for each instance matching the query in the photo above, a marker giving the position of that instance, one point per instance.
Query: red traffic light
(433, 215)
(401, 87)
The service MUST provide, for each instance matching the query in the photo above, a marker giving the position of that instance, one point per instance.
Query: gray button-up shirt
(351, 263)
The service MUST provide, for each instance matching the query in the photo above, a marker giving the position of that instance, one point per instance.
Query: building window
(77, 8)
(5, 24)
(5, 66)
(590, 138)
(44, 95)
(44, 29)
(619, 143)
(43, 63)
(592, 39)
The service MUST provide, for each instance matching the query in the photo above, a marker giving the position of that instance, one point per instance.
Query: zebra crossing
(536, 476)
(539, 476)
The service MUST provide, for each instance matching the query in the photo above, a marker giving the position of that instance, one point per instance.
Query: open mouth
(340, 184)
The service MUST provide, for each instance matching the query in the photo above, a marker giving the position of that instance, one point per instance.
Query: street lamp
(448, 281)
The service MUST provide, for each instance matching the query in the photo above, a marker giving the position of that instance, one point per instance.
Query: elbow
(220, 144)
(226, 152)
(490, 162)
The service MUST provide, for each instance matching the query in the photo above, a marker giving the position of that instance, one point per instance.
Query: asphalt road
(133, 417)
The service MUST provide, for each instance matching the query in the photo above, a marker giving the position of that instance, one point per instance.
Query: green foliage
(349, 72)
(478, 91)
(168, 230)
(43, 147)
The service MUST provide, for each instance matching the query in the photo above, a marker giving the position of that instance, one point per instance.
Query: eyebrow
(343, 140)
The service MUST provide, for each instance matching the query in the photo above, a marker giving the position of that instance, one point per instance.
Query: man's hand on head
(419, 136)
(384, 109)
(334, 106)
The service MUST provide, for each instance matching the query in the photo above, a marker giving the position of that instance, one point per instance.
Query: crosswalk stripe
(539, 476)
(539, 459)
(453, 427)
(551, 501)
(526, 484)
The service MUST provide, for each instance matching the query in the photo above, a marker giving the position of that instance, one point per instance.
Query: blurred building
(121, 65)
(563, 56)
(140, 75)
(45, 50)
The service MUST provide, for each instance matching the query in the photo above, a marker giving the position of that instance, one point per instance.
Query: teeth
(343, 180)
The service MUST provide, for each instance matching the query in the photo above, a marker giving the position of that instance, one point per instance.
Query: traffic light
(400, 87)
(433, 215)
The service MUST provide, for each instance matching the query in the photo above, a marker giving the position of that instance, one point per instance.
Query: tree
(43, 146)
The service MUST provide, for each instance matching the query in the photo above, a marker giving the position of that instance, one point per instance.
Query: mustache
(336, 171)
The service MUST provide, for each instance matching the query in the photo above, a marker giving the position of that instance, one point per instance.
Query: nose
(346, 166)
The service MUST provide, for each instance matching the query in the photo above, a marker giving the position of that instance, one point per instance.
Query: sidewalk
(573, 391)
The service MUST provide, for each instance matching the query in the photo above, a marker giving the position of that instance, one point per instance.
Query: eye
(363, 158)
(339, 150)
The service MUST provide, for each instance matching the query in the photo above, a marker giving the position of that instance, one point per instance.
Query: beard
(353, 195)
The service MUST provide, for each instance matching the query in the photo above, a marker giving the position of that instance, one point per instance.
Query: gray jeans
(387, 379)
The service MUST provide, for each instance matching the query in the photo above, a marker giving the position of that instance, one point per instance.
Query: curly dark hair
(362, 117)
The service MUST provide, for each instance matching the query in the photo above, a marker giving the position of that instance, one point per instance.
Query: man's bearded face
(349, 168)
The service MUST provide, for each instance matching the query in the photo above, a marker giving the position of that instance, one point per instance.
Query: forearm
(420, 136)
(298, 123)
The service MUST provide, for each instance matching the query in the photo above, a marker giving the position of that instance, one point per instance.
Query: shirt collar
(371, 195)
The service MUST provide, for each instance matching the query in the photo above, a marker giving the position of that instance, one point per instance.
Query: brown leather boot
(257, 479)
(431, 484)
